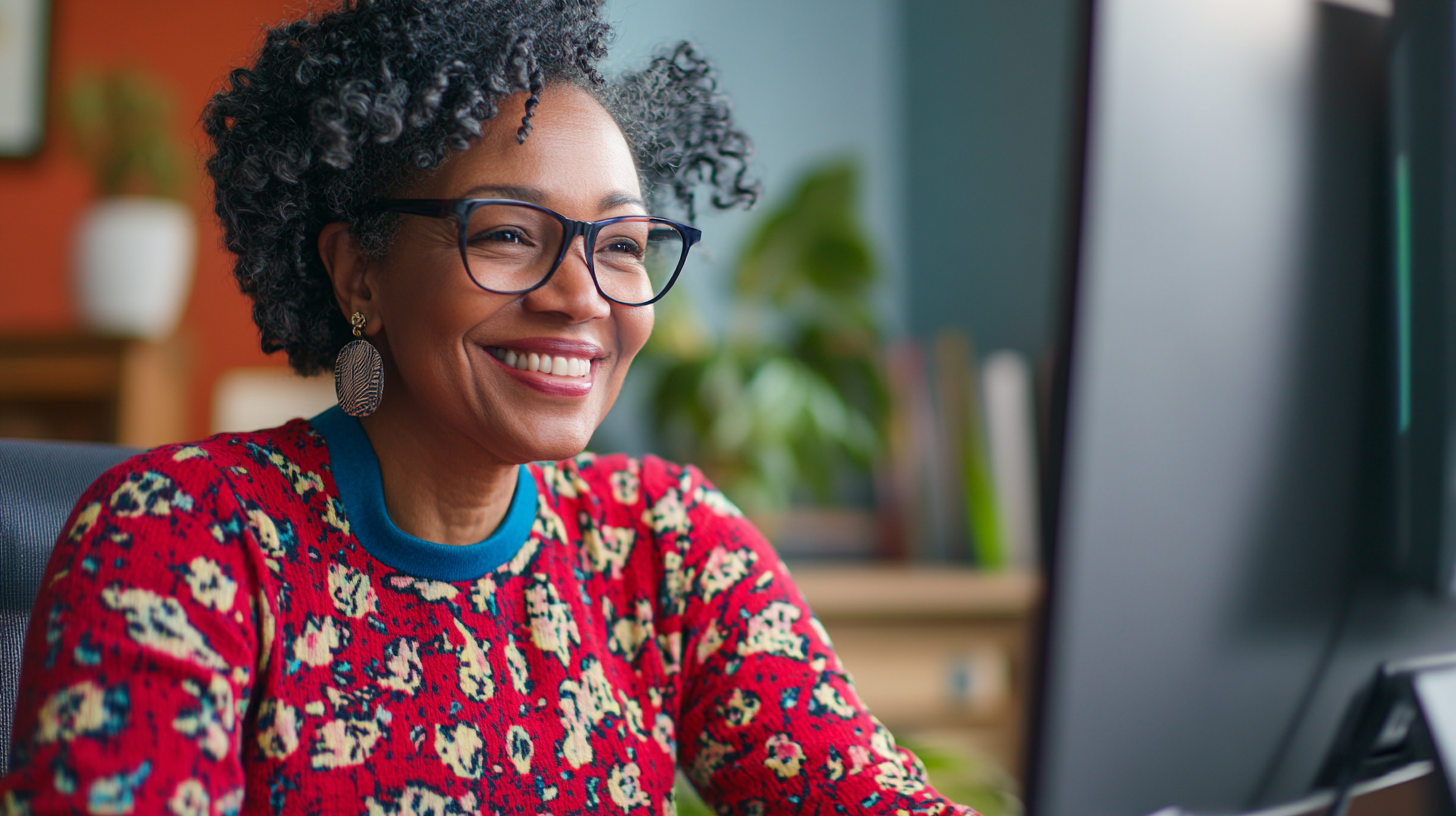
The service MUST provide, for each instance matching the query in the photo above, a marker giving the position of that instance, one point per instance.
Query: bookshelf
(93, 389)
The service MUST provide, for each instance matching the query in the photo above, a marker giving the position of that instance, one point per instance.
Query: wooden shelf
(95, 389)
(934, 649)
(895, 591)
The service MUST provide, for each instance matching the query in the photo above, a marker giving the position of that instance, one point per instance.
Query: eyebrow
(622, 200)
(530, 194)
(535, 196)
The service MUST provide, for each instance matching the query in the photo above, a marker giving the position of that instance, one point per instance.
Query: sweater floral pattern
(211, 638)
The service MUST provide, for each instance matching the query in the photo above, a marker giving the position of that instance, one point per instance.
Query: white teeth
(544, 363)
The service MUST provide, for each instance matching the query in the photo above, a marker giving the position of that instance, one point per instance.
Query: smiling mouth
(556, 365)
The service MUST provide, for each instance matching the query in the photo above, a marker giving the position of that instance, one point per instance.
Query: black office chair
(39, 484)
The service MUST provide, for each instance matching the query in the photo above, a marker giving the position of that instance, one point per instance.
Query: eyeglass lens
(510, 248)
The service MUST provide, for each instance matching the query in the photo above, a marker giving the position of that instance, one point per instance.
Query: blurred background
(858, 361)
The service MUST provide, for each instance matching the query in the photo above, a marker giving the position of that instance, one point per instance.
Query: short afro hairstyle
(351, 105)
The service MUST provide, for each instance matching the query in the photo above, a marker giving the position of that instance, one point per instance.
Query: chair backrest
(39, 484)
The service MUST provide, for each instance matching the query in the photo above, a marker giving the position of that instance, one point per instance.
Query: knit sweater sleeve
(142, 647)
(770, 721)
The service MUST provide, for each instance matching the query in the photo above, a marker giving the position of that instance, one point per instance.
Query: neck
(438, 485)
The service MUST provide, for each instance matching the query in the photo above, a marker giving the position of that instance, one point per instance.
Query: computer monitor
(1222, 497)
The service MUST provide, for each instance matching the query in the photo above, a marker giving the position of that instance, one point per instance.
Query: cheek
(635, 324)
(428, 309)
(418, 323)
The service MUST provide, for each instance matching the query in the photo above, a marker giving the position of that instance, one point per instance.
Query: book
(1007, 390)
(974, 524)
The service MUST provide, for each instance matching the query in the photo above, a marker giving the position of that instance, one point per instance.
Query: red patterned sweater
(212, 637)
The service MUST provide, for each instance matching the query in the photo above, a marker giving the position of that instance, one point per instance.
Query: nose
(571, 291)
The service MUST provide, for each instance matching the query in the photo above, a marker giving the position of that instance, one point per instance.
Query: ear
(352, 274)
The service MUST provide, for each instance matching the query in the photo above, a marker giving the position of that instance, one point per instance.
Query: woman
(391, 610)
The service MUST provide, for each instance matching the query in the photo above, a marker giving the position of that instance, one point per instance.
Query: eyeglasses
(512, 247)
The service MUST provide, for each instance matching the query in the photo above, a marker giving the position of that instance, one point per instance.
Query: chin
(556, 453)
(542, 445)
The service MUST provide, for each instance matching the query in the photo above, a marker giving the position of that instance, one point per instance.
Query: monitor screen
(1222, 506)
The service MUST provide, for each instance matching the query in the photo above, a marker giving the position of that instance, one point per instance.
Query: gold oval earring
(359, 373)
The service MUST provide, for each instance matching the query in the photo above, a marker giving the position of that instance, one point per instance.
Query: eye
(502, 235)
(622, 245)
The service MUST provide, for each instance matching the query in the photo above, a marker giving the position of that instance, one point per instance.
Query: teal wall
(810, 80)
(989, 87)
(959, 111)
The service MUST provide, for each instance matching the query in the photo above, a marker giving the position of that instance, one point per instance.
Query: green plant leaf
(120, 126)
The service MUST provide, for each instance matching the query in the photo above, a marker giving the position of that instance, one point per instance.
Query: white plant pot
(134, 261)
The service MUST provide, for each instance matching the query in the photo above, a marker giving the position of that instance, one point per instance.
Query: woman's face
(440, 334)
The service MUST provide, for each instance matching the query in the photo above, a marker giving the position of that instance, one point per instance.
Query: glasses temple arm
(432, 207)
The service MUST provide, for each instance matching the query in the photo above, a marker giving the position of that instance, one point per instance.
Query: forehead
(575, 156)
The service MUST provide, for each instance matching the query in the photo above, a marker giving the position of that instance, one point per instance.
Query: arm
(769, 715)
(141, 650)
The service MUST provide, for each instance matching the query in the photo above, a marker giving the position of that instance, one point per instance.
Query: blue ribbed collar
(356, 473)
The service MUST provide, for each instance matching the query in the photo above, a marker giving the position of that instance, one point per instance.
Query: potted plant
(136, 245)
(794, 394)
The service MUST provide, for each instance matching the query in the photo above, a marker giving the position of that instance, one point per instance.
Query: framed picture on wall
(24, 35)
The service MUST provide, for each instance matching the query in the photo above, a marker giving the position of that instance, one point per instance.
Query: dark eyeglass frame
(461, 209)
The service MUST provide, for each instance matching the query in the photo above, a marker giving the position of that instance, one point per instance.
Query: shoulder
(699, 549)
(186, 476)
(201, 509)
(680, 499)
(674, 505)
(650, 485)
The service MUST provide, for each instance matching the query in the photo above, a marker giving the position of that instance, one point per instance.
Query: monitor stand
(1395, 752)
(1406, 714)
(1410, 790)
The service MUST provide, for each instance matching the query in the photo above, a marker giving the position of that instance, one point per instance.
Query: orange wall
(192, 45)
